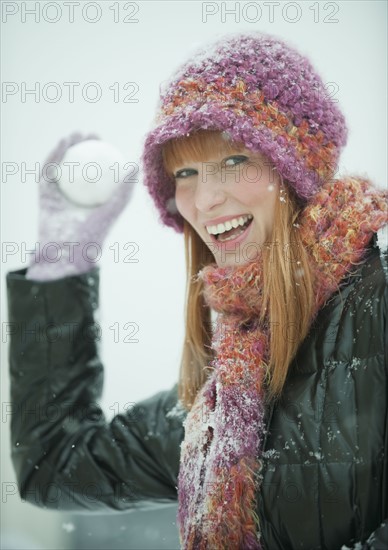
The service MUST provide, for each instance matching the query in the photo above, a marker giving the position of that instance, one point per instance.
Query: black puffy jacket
(325, 473)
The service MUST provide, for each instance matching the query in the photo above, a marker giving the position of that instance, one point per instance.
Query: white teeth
(222, 227)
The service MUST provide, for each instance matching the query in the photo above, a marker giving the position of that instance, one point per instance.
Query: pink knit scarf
(220, 467)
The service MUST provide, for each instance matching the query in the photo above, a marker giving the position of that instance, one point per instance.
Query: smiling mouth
(233, 233)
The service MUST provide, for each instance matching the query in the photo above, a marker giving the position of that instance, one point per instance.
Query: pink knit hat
(260, 92)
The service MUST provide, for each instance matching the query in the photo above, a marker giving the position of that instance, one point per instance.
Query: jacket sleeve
(65, 454)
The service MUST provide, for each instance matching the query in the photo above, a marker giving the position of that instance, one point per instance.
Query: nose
(210, 191)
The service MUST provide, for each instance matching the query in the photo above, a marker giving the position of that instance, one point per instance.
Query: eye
(236, 159)
(184, 173)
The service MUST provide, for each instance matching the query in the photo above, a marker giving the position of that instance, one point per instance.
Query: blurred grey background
(111, 44)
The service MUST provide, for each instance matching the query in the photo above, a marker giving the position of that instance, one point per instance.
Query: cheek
(256, 181)
(257, 195)
(183, 202)
(259, 176)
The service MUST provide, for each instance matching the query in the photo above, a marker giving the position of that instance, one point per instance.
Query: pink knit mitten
(71, 235)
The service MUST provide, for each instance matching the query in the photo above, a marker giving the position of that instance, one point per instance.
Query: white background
(349, 52)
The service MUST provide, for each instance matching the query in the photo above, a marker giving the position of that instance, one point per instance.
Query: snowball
(96, 174)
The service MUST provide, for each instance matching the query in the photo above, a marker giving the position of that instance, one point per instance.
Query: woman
(283, 390)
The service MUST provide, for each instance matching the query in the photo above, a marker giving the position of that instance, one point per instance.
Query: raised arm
(65, 453)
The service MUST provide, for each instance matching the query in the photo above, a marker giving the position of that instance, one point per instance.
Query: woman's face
(230, 202)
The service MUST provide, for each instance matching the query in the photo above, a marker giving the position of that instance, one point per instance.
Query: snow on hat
(260, 92)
